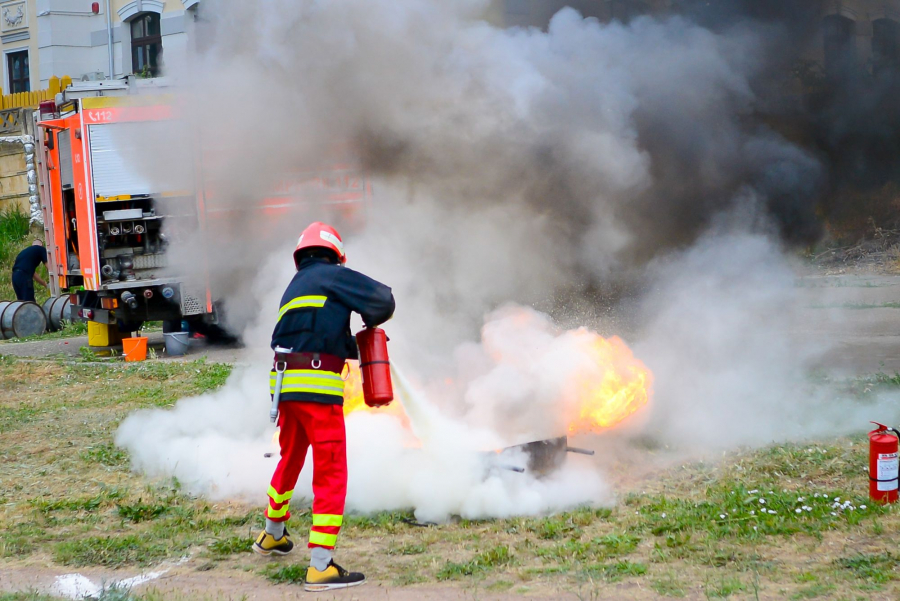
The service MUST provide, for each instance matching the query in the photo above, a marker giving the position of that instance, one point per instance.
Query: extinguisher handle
(895, 431)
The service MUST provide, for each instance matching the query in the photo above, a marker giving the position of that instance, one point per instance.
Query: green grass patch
(20, 539)
(107, 454)
(231, 545)
(89, 504)
(875, 568)
(142, 512)
(26, 596)
(408, 549)
(613, 572)
(724, 588)
(112, 551)
(814, 591)
(290, 574)
(669, 585)
(483, 562)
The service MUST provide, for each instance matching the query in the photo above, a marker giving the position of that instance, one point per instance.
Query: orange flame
(353, 392)
(613, 384)
(609, 385)
(354, 399)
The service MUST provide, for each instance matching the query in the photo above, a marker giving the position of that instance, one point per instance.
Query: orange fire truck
(109, 226)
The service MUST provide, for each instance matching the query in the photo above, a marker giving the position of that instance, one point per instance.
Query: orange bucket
(135, 349)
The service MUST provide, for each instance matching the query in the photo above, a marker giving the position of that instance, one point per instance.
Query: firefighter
(312, 341)
(24, 271)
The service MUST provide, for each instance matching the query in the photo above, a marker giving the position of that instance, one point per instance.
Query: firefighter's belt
(309, 373)
(318, 361)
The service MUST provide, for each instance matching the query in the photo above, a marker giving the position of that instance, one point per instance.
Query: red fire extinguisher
(884, 464)
(375, 367)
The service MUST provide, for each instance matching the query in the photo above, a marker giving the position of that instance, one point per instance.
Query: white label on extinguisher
(888, 470)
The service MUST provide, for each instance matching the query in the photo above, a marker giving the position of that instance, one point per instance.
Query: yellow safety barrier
(32, 99)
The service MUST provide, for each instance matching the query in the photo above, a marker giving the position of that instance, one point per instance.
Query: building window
(885, 46)
(146, 45)
(17, 68)
(839, 51)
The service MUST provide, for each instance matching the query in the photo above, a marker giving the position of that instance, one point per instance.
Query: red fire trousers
(322, 426)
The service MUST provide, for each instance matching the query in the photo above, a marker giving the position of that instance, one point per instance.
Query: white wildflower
(798, 510)
(754, 491)
(722, 516)
(663, 515)
(862, 506)
(762, 501)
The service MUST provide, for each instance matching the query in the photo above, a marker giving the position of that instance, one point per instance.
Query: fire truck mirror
(49, 140)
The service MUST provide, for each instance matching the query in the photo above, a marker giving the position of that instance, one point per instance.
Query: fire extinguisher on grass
(375, 367)
(884, 464)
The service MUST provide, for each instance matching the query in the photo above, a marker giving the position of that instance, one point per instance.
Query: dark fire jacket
(314, 317)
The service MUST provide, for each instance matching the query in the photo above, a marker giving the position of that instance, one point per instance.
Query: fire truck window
(146, 45)
(19, 75)
(885, 46)
(838, 32)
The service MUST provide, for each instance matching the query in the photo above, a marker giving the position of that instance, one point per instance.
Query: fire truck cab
(103, 217)
(111, 224)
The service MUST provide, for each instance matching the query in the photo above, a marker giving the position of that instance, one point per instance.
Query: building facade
(45, 38)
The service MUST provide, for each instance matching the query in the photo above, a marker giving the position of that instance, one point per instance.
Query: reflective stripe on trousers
(321, 426)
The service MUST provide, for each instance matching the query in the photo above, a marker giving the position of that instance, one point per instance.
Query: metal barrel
(57, 309)
(20, 319)
(3, 306)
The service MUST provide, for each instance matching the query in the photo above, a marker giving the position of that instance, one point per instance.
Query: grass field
(788, 522)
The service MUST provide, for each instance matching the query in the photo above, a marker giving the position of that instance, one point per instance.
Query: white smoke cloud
(731, 364)
(440, 466)
(512, 166)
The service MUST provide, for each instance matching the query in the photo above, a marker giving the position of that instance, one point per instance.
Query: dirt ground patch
(688, 529)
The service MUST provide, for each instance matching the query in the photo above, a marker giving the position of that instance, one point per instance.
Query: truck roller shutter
(65, 159)
(116, 153)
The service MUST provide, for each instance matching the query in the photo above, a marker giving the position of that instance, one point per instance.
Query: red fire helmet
(320, 235)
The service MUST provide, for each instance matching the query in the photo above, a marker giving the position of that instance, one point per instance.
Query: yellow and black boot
(333, 577)
(266, 544)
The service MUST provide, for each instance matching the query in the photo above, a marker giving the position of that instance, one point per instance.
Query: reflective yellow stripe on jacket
(302, 302)
(309, 380)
